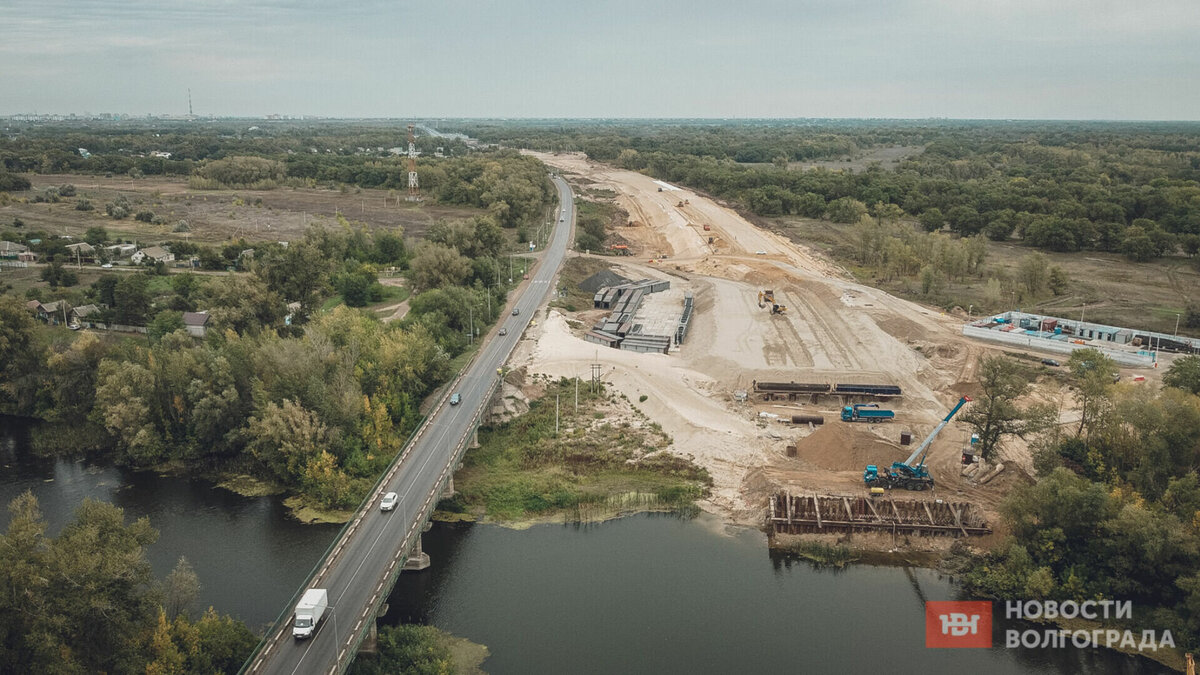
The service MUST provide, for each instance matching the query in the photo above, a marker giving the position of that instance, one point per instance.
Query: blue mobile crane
(907, 474)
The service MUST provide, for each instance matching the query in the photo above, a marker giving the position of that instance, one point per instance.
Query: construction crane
(906, 474)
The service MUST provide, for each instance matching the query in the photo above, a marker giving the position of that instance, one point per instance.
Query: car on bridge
(455, 399)
(503, 331)
(388, 503)
(516, 311)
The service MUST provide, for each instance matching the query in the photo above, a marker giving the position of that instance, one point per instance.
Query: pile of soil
(839, 446)
(602, 279)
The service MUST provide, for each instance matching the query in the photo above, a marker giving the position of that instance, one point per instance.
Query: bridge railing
(273, 634)
(286, 613)
(388, 579)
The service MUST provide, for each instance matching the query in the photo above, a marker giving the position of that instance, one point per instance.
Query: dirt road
(834, 330)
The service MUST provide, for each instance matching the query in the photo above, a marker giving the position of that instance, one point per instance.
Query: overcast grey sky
(1075, 59)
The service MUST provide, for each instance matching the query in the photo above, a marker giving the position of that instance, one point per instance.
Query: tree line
(1128, 188)
(317, 402)
(1115, 510)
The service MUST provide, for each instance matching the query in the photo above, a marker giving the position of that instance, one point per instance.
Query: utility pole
(556, 414)
(471, 314)
(1176, 325)
(576, 394)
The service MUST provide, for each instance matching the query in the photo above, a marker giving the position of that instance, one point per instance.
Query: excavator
(910, 474)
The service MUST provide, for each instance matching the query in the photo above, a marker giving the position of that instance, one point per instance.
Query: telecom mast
(414, 185)
(190, 113)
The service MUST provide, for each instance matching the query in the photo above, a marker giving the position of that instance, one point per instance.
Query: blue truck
(866, 412)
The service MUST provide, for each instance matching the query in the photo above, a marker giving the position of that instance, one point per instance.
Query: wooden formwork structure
(817, 514)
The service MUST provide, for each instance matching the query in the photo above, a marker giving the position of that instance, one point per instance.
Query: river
(648, 593)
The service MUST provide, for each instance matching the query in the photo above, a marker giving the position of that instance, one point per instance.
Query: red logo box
(958, 623)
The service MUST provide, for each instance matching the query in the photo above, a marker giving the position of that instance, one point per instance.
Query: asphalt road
(362, 562)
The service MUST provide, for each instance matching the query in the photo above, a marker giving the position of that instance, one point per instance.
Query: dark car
(455, 399)
(1050, 362)
(516, 311)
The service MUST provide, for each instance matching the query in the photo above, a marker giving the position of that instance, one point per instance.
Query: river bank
(569, 451)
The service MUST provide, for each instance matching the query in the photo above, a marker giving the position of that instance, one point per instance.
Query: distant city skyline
(909, 59)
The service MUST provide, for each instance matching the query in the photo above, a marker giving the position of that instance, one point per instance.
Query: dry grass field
(218, 215)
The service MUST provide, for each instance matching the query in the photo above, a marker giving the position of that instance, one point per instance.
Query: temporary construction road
(361, 565)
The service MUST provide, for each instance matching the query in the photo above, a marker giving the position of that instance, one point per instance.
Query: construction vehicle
(866, 412)
(707, 227)
(911, 474)
(778, 309)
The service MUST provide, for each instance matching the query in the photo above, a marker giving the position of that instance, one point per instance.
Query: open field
(1106, 287)
(216, 215)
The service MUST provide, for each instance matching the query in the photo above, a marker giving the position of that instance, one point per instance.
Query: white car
(760, 253)
(107, 266)
(388, 503)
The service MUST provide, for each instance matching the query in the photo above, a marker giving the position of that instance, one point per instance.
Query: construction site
(793, 379)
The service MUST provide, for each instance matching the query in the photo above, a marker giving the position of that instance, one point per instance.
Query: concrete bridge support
(417, 559)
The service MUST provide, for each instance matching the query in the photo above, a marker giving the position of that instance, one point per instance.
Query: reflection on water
(654, 593)
(250, 555)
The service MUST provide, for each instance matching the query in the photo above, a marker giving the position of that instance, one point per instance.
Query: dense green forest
(86, 601)
(320, 404)
(1127, 187)
(1115, 512)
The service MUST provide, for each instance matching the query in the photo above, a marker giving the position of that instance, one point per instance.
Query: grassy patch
(307, 512)
(574, 272)
(411, 648)
(821, 554)
(249, 486)
(522, 469)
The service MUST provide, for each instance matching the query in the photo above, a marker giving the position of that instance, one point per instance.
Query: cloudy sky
(1072, 59)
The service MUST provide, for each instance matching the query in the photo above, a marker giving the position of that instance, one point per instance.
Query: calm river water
(649, 593)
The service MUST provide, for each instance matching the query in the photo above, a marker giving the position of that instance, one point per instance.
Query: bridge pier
(370, 642)
(448, 492)
(417, 559)
(474, 444)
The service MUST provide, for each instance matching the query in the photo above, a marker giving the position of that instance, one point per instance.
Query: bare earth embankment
(835, 330)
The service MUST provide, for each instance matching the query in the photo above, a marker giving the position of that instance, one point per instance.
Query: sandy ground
(835, 330)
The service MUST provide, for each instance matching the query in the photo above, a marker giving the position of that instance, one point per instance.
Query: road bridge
(362, 564)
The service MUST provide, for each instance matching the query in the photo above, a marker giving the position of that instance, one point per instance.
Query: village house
(81, 251)
(153, 254)
(52, 313)
(121, 251)
(196, 323)
(84, 316)
(9, 249)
